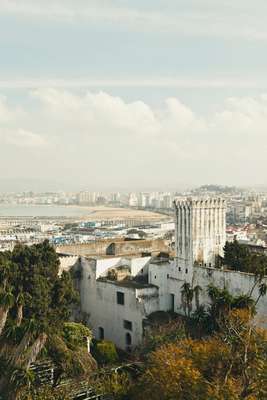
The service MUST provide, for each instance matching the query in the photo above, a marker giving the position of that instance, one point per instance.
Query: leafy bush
(105, 352)
(75, 334)
(156, 336)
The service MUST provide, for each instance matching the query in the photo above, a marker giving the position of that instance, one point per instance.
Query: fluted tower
(199, 231)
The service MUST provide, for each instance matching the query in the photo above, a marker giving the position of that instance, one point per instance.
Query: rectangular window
(127, 325)
(120, 298)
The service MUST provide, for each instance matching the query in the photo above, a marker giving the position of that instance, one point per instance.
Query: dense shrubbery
(35, 304)
(161, 334)
(75, 334)
(105, 352)
(227, 360)
(229, 365)
(213, 353)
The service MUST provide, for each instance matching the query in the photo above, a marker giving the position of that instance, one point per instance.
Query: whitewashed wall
(66, 262)
(170, 280)
(99, 300)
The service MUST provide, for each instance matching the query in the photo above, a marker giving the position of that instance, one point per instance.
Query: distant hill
(218, 189)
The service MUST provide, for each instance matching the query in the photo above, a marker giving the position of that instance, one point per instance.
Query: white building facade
(117, 295)
(115, 308)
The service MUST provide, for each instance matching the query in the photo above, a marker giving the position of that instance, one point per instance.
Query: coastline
(78, 212)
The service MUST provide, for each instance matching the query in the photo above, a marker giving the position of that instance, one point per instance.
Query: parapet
(199, 202)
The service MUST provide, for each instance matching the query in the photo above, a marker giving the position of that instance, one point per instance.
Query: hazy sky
(130, 94)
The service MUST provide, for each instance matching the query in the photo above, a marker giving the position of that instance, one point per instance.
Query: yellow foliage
(171, 375)
(218, 368)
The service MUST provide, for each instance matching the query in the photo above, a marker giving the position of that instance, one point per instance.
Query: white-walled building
(118, 294)
(114, 305)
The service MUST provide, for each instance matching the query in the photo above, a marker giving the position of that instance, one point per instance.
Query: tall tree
(34, 304)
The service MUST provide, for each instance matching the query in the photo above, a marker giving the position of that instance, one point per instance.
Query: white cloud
(5, 112)
(24, 138)
(145, 82)
(10, 132)
(240, 19)
(99, 137)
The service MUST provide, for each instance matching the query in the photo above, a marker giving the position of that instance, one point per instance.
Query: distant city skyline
(132, 95)
(19, 185)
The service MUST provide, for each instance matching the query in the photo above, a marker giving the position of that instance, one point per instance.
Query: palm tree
(262, 292)
(12, 332)
(187, 297)
(35, 349)
(20, 300)
(5, 270)
(21, 379)
(29, 330)
(6, 302)
(200, 319)
(200, 314)
(221, 302)
(197, 289)
(243, 301)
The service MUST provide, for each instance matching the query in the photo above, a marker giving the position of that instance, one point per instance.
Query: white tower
(199, 232)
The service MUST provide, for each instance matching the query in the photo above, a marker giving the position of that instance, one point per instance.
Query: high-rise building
(86, 198)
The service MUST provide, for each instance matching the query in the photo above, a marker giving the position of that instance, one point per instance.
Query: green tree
(236, 255)
(156, 335)
(188, 293)
(239, 258)
(35, 301)
(230, 365)
(6, 302)
(76, 334)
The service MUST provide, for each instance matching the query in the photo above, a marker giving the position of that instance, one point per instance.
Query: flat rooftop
(127, 283)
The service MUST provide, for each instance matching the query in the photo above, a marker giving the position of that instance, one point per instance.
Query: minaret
(199, 232)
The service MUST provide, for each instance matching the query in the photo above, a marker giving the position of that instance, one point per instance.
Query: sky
(132, 94)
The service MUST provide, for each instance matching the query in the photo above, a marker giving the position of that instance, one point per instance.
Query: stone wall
(170, 281)
(115, 247)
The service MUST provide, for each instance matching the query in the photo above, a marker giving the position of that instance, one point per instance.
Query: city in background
(84, 217)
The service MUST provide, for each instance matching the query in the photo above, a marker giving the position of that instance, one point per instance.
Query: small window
(186, 271)
(101, 334)
(120, 298)
(127, 325)
(155, 276)
(168, 276)
(179, 269)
